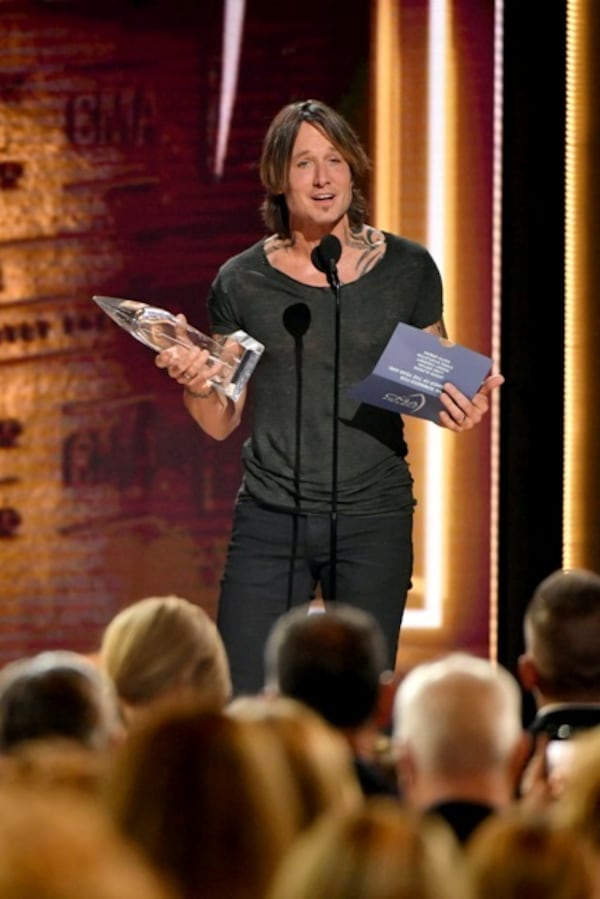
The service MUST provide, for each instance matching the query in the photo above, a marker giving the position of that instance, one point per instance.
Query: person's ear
(528, 672)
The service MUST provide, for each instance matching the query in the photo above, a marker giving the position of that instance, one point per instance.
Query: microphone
(296, 320)
(324, 257)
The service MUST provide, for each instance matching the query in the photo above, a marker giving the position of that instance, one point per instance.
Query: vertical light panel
(428, 185)
(576, 178)
(439, 142)
(387, 192)
(496, 317)
(233, 29)
(387, 88)
(387, 154)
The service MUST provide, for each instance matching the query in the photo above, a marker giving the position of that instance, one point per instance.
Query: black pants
(374, 565)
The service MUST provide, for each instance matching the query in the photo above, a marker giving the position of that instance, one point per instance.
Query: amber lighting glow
(438, 211)
(576, 198)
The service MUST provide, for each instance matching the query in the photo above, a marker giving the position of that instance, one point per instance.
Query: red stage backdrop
(110, 184)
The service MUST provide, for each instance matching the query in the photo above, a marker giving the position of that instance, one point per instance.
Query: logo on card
(412, 402)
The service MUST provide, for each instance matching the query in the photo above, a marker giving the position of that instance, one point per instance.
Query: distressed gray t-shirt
(288, 456)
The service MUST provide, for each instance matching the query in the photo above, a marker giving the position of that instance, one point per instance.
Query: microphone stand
(334, 281)
(296, 320)
(324, 258)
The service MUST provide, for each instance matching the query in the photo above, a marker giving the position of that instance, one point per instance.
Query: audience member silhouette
(58, 693)
(378, 851)
(60, 845)
(334, 661)
(160, 647)
(320, 758)
(207, 797)
(459, 737)
(525, 856)
(561, 662)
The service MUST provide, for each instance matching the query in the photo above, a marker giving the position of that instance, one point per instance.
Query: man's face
(319, 188)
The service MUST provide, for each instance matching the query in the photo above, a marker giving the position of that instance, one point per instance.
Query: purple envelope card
(411, 372)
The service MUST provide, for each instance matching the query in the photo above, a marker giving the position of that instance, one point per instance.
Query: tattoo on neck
(274, 243)
(365, 239)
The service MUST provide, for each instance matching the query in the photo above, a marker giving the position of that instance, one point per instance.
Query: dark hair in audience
(562, 623)
(56, 693)
(332, 661)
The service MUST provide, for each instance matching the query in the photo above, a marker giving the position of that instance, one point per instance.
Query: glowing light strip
(575, 180)
(233, 28)
(496, 318)
(387, 109)
(387, 166)
(387, 191)
(436, 218)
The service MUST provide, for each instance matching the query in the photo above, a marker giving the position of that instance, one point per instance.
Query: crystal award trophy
(234, 360)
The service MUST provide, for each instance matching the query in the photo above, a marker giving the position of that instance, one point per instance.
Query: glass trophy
(234, 360)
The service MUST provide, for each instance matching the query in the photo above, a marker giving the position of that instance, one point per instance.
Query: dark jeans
(374, 565)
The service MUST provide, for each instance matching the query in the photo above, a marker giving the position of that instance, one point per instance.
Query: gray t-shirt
(288, 456)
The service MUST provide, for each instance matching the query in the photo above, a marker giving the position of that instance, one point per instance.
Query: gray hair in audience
(460, 713)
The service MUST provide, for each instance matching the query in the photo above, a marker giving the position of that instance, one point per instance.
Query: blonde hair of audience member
(524, 856)
(458, 731)
(62, 846)
(319, 756)
(208, 798)
(380, 850)
(161, 646)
